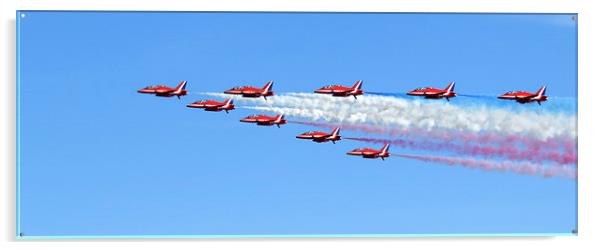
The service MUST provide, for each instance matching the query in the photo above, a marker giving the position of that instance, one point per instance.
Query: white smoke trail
(415, 114)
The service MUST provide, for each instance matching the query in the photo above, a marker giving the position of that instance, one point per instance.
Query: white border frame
(589, 119)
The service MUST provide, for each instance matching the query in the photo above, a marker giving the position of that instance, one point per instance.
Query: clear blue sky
(97, 158)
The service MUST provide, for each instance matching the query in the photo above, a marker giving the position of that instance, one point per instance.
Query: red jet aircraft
(264, 120)
(526, 97)
(433, 93)
(371, 153)
(338, 90)
(318, 136)
(165, 91)
(248, 91)
(211, 105)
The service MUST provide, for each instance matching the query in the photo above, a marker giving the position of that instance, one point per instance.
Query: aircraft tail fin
(450, 87)
(267, 87)
(384, 149)
(228, 102)
(335, 132)
(541, 92)
(279, 118)
(181, 86)
(357, 85)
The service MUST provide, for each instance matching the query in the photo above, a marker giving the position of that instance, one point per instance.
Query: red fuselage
(368, 153)
(371, 153)
(265, 120)
(248, 91)
(165, 91)
(523, 97)
(338, 90)
(434, 93)
(318, 136)
(211, 105)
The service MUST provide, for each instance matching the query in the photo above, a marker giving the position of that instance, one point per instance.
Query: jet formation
(521, 97)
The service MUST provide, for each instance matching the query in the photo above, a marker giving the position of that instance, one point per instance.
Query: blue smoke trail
(398, 95)
(477, 96)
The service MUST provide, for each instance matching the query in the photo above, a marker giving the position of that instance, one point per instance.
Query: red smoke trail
(505, 166)
(512, 153)
(565, 144)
